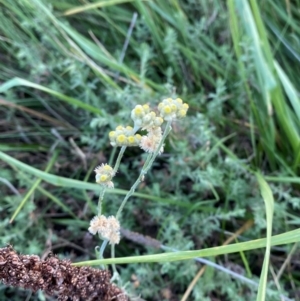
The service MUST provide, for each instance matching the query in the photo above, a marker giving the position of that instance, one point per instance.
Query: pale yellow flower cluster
(107, 227)
(172, 108)
(145, 119)
(104, 175)
(124, 136)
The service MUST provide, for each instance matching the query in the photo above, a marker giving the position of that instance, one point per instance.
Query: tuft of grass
(276, 118)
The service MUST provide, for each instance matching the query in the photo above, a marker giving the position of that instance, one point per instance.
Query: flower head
(172, 108)
(124, 136)
(104, 175)
(144, 118)
(107, 228)
(151, 141)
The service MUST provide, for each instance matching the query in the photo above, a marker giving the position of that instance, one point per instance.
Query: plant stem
(101, 251)
(121, 153)
(145, 169)
(101, 196)
(115, 272)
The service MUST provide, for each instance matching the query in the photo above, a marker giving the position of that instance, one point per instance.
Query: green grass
(67, 79)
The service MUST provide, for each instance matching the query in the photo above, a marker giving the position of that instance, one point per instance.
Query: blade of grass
(269, 205)
(289, 90)
(281, 239)
(29, 147)
(269, 86)
(282, 109)
(33, 187)
(280, 179)
(263, 69)
(237, 36)
(76, 184)
(99, 4)
(266, 80)
(16, 82)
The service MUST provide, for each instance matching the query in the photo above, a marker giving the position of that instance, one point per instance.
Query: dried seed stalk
(57, 277)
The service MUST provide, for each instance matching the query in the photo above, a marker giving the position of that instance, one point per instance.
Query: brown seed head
(57, 277)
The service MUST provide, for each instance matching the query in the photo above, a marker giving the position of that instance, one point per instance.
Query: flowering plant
(108, 228)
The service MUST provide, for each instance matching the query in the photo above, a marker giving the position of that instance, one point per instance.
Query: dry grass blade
(36, 114)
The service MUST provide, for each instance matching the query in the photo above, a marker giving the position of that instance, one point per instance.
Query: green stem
(101, 196)
(101, 251)
(121, 153)
(115, 272)
(145, 169)
(132, 189)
